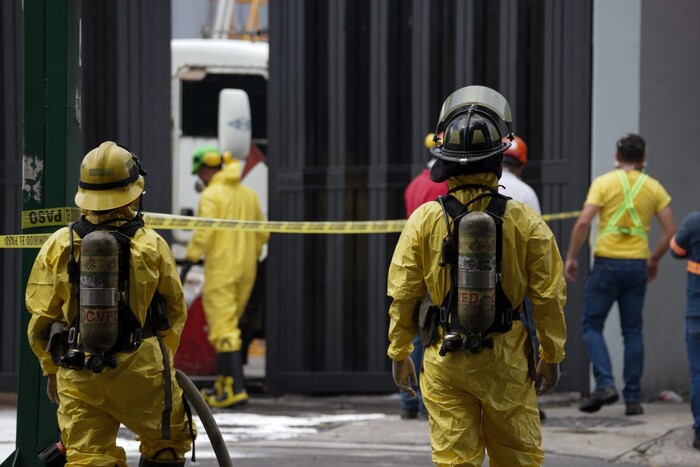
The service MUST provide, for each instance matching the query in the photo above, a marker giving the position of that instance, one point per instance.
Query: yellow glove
(52, 389)
(404, 373)
(547, 377)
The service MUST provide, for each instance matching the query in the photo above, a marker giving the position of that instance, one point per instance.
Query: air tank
(99, 291)
(476, 272)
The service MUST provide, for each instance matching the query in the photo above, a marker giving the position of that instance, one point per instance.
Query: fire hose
(206, 417)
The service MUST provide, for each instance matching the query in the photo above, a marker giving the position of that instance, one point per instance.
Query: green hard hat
(206, 155)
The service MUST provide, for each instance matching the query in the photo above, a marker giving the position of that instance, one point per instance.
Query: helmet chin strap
(446, 156)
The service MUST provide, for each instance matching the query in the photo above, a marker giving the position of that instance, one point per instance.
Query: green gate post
(51, 160)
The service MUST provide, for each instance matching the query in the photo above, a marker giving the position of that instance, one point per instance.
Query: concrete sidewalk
(663, 435)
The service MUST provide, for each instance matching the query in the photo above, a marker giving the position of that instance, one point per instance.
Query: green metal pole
(51, 161)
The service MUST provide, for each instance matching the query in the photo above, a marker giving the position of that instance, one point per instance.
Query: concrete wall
(616, 32)
(645, 81)
(670, 99)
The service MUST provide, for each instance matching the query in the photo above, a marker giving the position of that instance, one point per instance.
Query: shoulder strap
(628, 207)
(83, 226)
(123, 235)
(453, 208)
(496, 209)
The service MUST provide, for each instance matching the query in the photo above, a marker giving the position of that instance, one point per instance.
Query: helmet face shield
(480, 96)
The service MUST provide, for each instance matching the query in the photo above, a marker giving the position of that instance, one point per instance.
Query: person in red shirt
(421, 190)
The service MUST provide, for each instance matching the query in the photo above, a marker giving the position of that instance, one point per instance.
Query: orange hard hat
(517, 149)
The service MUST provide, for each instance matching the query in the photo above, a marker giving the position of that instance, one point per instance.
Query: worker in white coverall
(133, 383)
(230, 267)
(479, 396)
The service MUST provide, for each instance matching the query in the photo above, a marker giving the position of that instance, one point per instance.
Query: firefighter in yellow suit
(230, 267)
(140, 390)
(482, 400)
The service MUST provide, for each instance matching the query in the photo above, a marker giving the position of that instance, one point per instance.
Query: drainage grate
(582, 423)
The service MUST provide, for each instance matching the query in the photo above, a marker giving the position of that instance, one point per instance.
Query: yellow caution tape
(50, 217)
(58, 217)
(561, 215)
(62, 216)
(169, 221)
(23, 241)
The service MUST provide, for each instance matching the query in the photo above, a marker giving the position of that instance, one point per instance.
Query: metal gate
(354, 87)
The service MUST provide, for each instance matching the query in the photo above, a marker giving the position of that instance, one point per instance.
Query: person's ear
(617, 159)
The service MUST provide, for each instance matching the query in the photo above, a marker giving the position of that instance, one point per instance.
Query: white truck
(204, 115)
(219, 98)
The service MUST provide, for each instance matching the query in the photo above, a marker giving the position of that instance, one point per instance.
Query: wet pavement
(341, 431)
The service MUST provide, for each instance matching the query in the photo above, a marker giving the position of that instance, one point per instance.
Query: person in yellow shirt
(626, 200)
(230, 267)
(480, 393)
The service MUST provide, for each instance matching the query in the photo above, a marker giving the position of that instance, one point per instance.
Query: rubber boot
(238, 378)
(165, 456)
(143, 462)
(233, 387)
(217, 388)
(214, 390)
(53, 455)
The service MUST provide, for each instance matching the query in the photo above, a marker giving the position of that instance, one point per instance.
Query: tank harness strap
(74, 278)
(628, 207)
(190, 425)
(167, 374)
(496, 209)
(453, 208)
(130, 330)
(129, 228)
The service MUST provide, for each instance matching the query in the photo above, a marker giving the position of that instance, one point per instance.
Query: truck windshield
(200, 103)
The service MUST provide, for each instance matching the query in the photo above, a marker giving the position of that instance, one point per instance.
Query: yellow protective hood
(124, 214)
(229, 175)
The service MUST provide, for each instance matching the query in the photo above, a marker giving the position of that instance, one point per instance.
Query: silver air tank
(476, 273)
(99, 291)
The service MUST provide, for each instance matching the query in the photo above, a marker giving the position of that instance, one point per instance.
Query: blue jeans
(623, 281)
(407, 402)
(692, 343)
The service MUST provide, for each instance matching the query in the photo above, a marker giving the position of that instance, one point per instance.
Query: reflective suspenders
(626, 206)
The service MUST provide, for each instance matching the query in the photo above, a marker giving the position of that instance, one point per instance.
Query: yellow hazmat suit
(92, 405)
(231, 257)
(484, 400)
